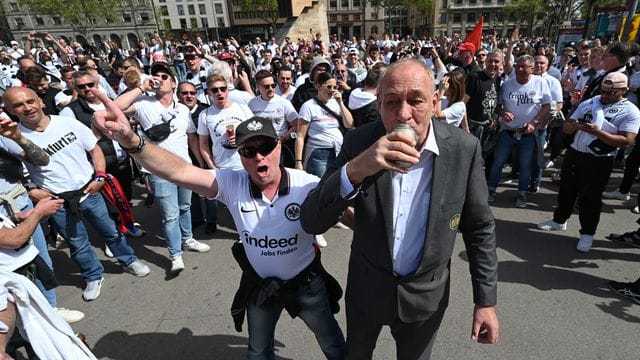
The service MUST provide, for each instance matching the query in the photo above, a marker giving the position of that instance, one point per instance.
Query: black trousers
(584, 177)
(631, 169)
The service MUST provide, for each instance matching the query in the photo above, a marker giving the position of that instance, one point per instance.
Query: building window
(374, 29)
(167, 24)
(180, 9)
(57, 20)
(220, 21)
(14, 7)
(344, 17)
(443, 18)
(333, 18)
(458, 2)
(499, 16)
(39, 20)
(162, 1)
(500, 1)
(202, 9)
(205, 22)
(356, 17)
(19, 21)
(472, 1)
(356, 31)
(471, 17)
(457, 17)
(333, 4)
(374, 15)
(344, 4)
(192, 10)
(126, 17)
(445, 3)
(183, 23)
(144, 17)
(194, 23)
(356, 4)
(164, 10)
(218, 8)
(487, 1)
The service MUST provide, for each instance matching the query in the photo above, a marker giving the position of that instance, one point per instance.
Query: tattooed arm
(32, 153)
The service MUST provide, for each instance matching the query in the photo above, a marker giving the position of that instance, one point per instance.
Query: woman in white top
(450, 107)
(319, 126)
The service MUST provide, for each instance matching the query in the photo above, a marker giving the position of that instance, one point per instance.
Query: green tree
(82, 15)
(267, 10)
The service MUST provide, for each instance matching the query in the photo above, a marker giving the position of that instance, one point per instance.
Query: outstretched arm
(32, 153)
(114, 124)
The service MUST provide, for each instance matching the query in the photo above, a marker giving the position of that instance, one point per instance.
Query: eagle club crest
(292, 212)
(254, 126)
(454, 222)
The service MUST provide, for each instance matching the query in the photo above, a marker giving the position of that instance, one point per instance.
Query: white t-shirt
(277, 109)
(150, 112)
(213, 122)
(240, 96)
(324, 129)
(270, 231)
(454, 113)
(621, 116)
(67, 141)
(524, 101)
(12, 259)
(289, 95)
(555, 89)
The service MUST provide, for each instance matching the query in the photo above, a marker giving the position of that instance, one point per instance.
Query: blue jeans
(175, 207)
(210, 210)
(526, 149)
(39, 241)
(319, 160)
(315, 312)
(181, 71)
(73, 229)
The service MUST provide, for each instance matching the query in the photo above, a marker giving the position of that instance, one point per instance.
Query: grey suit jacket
(458, 203)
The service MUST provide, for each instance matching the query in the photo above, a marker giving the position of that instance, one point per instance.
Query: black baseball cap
(255, 126)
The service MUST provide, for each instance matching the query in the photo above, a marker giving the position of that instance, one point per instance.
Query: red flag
(475, 36)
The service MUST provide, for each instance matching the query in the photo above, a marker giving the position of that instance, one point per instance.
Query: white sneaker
(138, 269)
(341, 226)
(552, 225)
(92, 291)
(636, 209)
(584, 245)
(177, 265)
(320, 240)
(548, 164)
(194, 245)
(70, 316)
(616, 194)
(107, 251)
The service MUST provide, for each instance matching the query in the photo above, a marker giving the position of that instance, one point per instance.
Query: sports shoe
(92, 291)
(548, 164)
(616, 194)
(521, 200)
(636, 209)
(630, 238)
(107, 251)
(136, 232)
(321, 241)
(628, 290)
(70, 316)
(552, 225)
(584, 245)
(137, 268)
(492, 197)
(341, 226)
(194, 245)
(533, 188)
(556, 178)
(509, 178)
(177, 265)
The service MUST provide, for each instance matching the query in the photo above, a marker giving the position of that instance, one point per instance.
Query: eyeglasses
(608, 92)
(273, 86)
(264, 149)
(331, 87)
(215, 90)
(189, 57)
(85, 86)
(190, 93)
(481, 55)
(162, 76)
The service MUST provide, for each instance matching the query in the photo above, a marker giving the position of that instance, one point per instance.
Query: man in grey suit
(406, 219)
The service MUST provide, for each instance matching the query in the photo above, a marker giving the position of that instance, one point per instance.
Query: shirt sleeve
(202, 124)
(290, 112)
(305, 112)
(347, 191)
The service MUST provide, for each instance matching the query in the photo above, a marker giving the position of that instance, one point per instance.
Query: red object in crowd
(475, 36)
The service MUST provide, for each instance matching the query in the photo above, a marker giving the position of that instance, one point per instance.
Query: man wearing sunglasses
(601, 125)
(155, 112)
(275, 253)
(279, 110)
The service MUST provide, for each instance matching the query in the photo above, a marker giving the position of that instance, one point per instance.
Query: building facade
(359, 18)
(461, 16)
(188, 18)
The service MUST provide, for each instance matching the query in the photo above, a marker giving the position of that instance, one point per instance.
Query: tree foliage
(82, 15)
(268, 9)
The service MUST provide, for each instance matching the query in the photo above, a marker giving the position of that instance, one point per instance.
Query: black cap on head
(161, 67)
(255, 126)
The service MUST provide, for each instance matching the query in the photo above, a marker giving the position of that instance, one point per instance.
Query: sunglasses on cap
(215, 90)
(263, 149)
(85, 86)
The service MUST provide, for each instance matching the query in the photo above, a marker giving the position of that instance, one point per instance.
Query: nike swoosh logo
(246, 211)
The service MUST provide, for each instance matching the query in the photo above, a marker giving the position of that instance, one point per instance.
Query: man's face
(5, 58)
(219, 93)
(541, 65)
(263, 169)
(353, 58)
(26, 105)
(481, 57)
(68, 79)
(267, 88)
(41, 86)
(284, 80)
(188, 95)
(267, 56)
(83, 86)
(406, 96)
(92, 67)
(341, 72)
(566, 56)
(609, 95)
(297, 63)
(583, 57)
(127, 65)
(493, 65)
(466, 56)
(318, 70)
(610, 62)
(167, 84)
(193, 61)
(523, 71)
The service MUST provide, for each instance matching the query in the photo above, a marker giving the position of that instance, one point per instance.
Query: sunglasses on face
(190, 93)
(86, 86)
(608, 92)
(263, 149)
(273, 86)
(215, 90)
(163, 76)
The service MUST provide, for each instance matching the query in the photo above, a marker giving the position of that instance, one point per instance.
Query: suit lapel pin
(454, 222)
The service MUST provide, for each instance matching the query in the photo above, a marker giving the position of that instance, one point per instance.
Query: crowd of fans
(568, 112)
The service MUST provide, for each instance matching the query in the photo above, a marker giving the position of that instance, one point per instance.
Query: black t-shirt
(483, 96)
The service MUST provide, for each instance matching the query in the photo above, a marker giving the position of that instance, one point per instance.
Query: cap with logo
(353, 51)
(157, 67)
(255, 126)
(614, 80)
